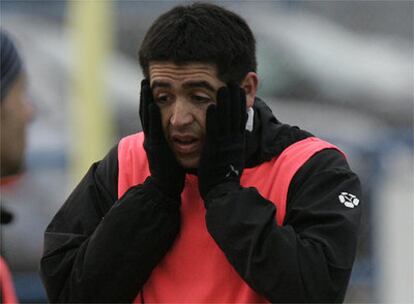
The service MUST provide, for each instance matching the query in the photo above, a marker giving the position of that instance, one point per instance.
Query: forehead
(171, 72)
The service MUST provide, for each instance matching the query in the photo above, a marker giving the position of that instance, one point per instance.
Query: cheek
(200, 117)
(165, 118)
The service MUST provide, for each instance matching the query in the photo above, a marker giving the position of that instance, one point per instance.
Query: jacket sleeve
(310, 257)
(99, 249)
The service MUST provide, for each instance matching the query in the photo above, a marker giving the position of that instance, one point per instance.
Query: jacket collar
(269, 136)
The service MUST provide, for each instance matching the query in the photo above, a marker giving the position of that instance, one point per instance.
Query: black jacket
(97, 251)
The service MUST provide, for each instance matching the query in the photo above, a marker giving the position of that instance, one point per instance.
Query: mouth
(185, 144)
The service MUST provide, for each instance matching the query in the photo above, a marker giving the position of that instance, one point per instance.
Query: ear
(250, 84)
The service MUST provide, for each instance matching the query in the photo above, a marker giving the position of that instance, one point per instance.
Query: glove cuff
(221, 190)
(173, 193)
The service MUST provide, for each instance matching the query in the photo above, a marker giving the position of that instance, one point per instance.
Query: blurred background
(342, 70)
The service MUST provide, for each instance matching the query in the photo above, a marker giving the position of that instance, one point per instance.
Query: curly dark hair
(205, 33)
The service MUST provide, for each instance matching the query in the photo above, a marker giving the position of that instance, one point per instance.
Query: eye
(200, 98)
(162, 98)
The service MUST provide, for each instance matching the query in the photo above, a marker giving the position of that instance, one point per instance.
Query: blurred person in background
(16, 112)
(216, 200)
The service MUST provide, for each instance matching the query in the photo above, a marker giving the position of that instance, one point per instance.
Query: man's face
(16, 112)
(183, 94)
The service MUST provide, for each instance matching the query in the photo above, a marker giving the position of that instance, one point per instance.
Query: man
(15, 114)
(216, 201)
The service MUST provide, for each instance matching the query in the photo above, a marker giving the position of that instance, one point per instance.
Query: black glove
(166, 173)
(222, 158)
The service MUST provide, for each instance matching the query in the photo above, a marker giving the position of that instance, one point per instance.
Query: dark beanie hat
(11, 64)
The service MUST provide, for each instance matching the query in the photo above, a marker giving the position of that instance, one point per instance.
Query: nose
(181, 114)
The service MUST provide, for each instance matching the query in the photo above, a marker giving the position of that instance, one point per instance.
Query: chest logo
(348, 199)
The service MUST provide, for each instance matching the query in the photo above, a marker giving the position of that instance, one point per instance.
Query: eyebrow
(187, 85)
(199, 84)
(160, 84)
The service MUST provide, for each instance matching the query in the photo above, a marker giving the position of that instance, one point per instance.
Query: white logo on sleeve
(348, 199)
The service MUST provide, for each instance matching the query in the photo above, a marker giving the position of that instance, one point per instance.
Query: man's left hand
(222, 158)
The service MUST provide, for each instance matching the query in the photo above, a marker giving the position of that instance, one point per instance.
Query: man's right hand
(166, 173)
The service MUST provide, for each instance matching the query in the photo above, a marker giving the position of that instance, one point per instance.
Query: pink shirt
(195, 269)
